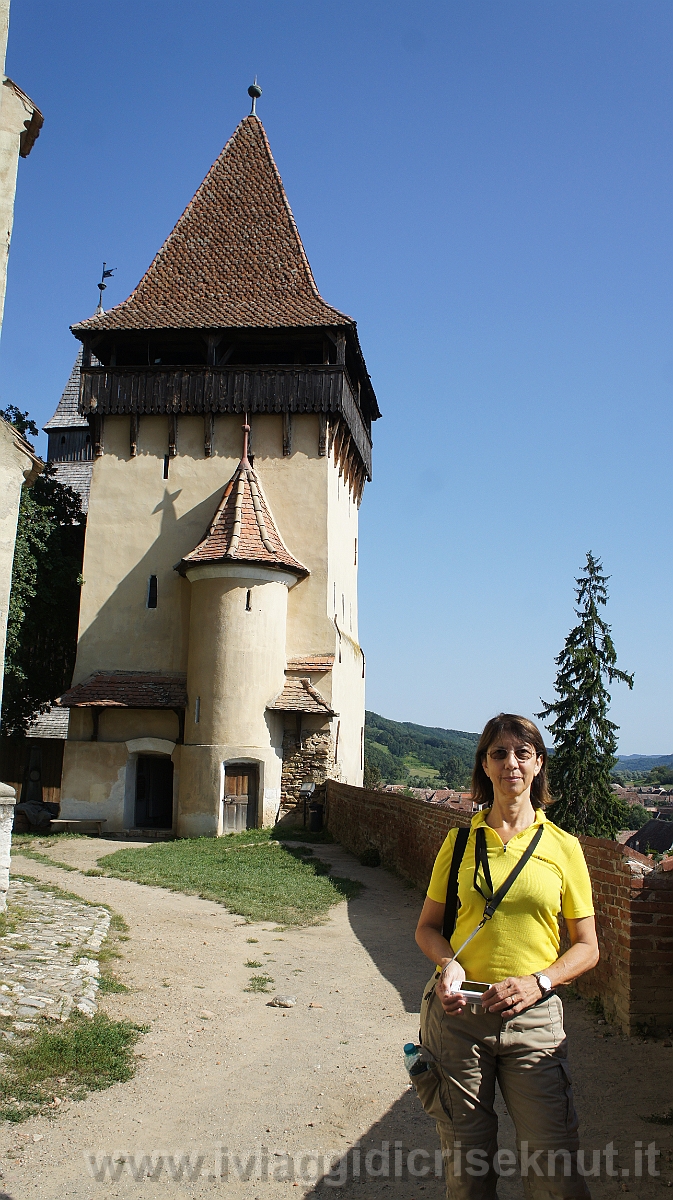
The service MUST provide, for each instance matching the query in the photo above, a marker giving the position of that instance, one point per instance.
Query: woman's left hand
(512, 995)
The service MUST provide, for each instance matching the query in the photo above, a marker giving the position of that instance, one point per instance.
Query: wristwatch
(545, 983)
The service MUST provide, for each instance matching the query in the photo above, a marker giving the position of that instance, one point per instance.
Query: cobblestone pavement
(48, 965)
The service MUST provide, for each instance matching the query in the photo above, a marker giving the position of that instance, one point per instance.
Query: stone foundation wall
(314, 760)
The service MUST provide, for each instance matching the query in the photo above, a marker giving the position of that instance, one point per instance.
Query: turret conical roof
(243, 529)
(67, 415)
(235, 257)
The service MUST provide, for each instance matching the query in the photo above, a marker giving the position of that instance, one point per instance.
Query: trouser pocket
(427, 1087)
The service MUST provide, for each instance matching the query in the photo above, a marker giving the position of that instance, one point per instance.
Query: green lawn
(248, 872)
(83, 1055)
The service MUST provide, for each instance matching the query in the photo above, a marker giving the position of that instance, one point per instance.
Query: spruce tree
(585, 741)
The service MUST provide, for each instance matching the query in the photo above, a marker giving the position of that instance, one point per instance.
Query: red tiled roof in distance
(299, 695)
(127, 689)
(235, 257)
(243, 529)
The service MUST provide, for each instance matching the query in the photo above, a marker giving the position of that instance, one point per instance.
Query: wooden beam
(208, 433)
(180, 714)
(172, 434)
(133, 435)
(287, 434)
(322, 433)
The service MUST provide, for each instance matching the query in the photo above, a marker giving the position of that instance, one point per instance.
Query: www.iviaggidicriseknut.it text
(387, 1160)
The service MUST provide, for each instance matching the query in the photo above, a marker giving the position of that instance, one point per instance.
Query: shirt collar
(479, 818)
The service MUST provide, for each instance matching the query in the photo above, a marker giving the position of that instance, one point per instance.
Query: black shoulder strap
(451, 910)
(480, 855)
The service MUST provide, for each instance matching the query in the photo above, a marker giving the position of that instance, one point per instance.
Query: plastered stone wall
(634, 905)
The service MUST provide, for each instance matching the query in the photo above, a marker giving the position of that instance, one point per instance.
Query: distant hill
(401, 750)
(640, 764)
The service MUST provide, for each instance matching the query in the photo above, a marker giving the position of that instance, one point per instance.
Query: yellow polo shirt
(523, 935)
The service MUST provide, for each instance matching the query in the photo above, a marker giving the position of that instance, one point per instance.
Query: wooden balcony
(153, 390)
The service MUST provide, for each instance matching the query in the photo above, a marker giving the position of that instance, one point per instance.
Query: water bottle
(413, 1061)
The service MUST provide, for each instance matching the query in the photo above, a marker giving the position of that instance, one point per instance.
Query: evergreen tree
(44, 601)
(585, 740)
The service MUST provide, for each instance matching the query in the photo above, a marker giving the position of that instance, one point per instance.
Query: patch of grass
(118, 924)
(85, 1055)
(259, 983)
(37, 856)
(252, 963)
(108, 983)
(58, 891)
(93, 871)
(265, 882)
(665, 1118)
(251, 940)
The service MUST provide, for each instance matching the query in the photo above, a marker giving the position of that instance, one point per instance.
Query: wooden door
(154, 792)
(240, 797)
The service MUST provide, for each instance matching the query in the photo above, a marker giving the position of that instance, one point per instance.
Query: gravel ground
(219, 1068)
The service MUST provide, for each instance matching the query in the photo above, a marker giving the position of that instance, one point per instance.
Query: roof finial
(255, 92)
(246, 435)
(102, 285)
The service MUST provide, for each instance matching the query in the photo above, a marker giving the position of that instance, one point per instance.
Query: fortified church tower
(230, 411)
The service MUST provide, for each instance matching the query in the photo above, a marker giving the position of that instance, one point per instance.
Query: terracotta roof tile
(243, 529)
(299, 695)
(235, 257)
(311, 662)
(127, 689)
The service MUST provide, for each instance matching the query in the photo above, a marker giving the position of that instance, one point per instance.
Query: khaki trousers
(527, 1054)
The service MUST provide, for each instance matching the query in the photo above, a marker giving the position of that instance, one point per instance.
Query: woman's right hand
(451, 1001)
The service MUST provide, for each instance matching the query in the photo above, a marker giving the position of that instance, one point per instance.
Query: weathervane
(254, 91)
(102, 285)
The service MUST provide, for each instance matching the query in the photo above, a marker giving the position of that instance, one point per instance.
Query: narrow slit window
(248, 601)
(166, 465)
(152, 591)
(197, 710)
(356, 552)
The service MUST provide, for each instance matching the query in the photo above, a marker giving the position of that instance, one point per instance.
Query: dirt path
(220, 1068)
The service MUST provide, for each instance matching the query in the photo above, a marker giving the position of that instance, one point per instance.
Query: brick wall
(634, 906)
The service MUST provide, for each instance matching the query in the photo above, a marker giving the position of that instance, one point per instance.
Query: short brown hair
(521, 727)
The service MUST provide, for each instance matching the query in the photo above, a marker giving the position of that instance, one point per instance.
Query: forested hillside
(406, 753)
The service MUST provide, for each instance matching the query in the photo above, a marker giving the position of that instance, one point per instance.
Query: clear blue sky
(486, 187)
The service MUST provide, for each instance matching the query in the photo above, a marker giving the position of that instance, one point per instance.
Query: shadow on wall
(409, 1160)
(386, 930)
(106, 644)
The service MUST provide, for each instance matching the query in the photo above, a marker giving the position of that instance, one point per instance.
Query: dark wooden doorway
(240, 797)
(154, 792)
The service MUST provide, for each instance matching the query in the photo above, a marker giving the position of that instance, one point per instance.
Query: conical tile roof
(235, 257)
(243, 529)
(67, 415)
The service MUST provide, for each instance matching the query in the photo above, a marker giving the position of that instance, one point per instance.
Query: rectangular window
(152, 591)
(356, 552)
(166, 465)
(197, 710)
(248, 601)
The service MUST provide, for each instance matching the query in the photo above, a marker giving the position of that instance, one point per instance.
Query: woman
(515, 1035)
